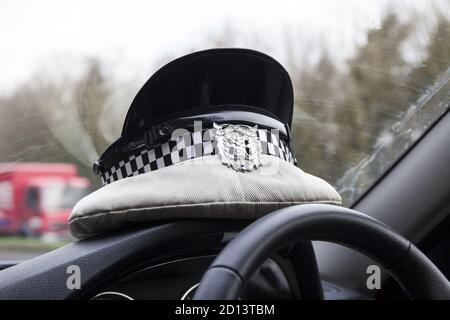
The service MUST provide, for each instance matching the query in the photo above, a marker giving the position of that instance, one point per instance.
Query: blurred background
(367, 77)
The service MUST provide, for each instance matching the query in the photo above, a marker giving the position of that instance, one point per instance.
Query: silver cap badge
(238, 146)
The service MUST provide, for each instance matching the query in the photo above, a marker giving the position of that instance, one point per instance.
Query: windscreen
(370, 78)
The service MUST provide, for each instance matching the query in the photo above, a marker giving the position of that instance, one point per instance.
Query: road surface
(19, 254)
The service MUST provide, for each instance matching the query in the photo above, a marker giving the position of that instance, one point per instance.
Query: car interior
(305, 251)
(192, 151)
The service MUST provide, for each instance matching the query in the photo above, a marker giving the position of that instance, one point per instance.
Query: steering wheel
(228, 274)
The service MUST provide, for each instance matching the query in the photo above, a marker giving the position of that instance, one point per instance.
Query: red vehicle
(36, 198)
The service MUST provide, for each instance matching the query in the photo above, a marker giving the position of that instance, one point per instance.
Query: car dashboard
(178, 277)
(164, 260)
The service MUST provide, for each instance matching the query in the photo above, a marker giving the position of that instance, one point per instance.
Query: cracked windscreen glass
(370, 77)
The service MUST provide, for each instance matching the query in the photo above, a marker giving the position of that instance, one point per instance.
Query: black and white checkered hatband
(184, 147)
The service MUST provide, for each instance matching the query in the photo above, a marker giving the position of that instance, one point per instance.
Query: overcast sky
(131, 36)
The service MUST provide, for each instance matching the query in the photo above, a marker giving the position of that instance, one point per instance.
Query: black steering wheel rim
(227, 275)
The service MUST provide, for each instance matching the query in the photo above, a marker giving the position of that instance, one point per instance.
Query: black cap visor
(212, 79)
